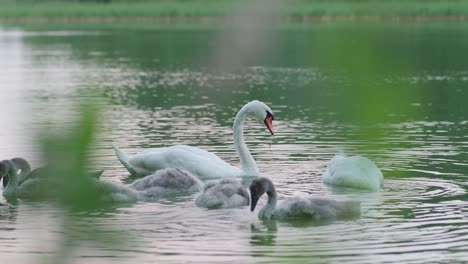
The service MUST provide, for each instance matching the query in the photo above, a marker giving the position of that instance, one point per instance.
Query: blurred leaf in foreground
(67, 153)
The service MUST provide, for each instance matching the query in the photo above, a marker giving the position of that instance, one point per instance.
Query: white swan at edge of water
(303, 207)
(353, 172)
(223, 193)
(200, 162)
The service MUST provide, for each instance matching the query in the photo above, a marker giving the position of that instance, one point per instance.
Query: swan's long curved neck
(248, 164)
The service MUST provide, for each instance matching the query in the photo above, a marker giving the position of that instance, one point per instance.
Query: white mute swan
(223, 193)
(354, 172)
(307, 207)
(200, 162)
(168, 181)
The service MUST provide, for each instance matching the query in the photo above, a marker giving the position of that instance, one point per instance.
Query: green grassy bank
(215, 10)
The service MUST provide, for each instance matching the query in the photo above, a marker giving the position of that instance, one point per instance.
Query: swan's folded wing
(223, 193)
(294, 207)
(353, 172)
(208, 201)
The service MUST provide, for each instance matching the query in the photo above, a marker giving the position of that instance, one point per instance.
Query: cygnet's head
(7, 167)
(21, 164)
(262, 113)
(257, 188)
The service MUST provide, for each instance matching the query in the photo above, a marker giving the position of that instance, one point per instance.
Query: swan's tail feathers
(122, 156)
(96, 174)
(125, 160)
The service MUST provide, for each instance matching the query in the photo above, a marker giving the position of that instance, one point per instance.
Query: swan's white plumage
(224, 193)
(197, 161)
(354, 172)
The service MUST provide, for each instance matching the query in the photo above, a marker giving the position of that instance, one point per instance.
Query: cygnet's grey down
(167, 181)
(223, 193)
(163, 182)
(307, 207)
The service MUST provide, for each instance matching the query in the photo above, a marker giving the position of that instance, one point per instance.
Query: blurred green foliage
(67, 154)
(67, 151)
(365, 98)
(292, 9)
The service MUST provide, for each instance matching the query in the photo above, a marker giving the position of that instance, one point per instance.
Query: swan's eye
(270, 115)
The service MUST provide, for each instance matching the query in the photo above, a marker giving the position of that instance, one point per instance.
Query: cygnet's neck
(269, 209)
(12, 185)
(23, 165)
(248, 164)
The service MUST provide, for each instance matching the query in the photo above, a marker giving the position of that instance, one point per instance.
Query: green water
(395, 93)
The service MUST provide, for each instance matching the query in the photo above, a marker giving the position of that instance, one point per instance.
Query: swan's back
(194, 160)
(186, 148)
(224, 193)
(318, 208)
(46, 187)
(162, 182)
(168, 180)
(354, 172)
(38, 189)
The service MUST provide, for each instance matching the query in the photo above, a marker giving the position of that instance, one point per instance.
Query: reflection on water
(163, 95)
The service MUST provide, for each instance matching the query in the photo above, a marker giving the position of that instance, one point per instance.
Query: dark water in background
(395, 93)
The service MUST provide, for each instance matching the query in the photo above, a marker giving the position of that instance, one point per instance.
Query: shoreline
(227, 19)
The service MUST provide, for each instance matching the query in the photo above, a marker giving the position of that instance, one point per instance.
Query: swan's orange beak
(269, 124)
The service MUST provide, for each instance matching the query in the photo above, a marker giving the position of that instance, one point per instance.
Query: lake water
(395, 93)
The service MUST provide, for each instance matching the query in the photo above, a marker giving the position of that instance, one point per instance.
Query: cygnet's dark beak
(254, 199)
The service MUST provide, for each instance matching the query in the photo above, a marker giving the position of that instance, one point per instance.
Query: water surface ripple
(420, 216)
